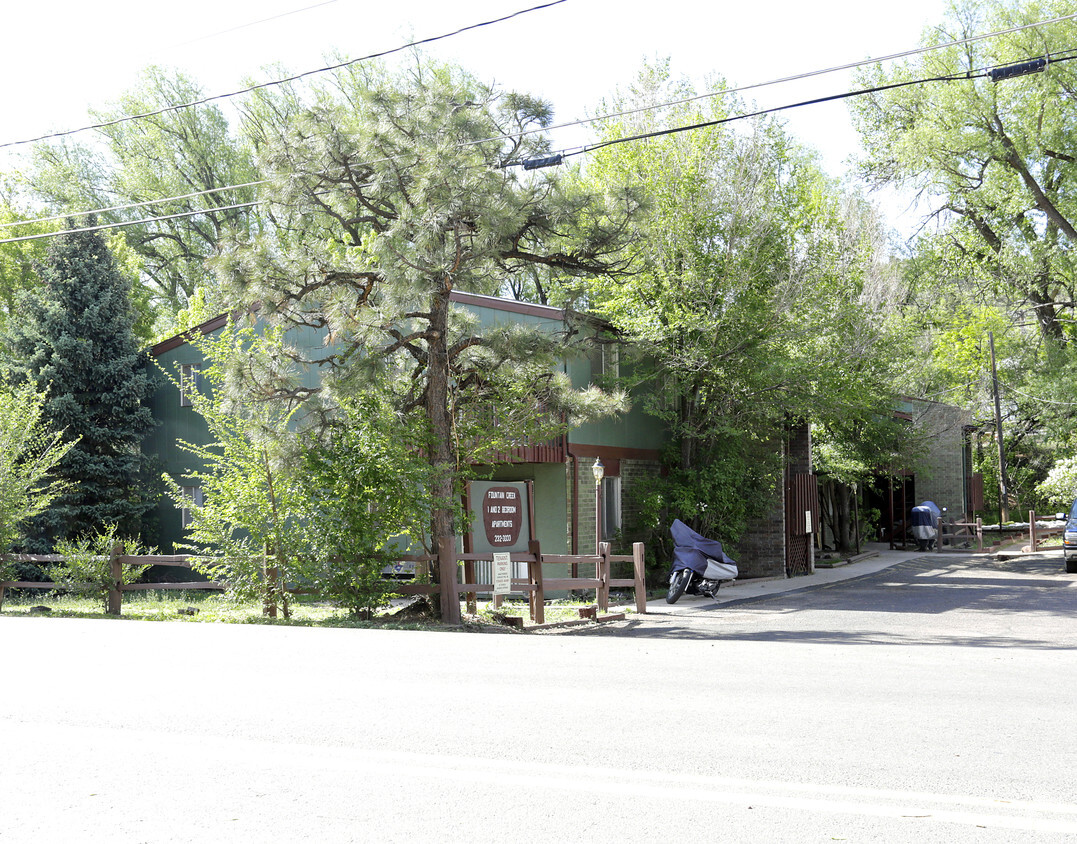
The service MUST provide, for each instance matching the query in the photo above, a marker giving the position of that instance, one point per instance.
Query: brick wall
(940, 474)
(762, 547)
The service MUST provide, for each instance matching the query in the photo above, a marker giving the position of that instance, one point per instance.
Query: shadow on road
(971, 601)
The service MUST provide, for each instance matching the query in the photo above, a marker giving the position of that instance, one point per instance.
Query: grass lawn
(167, 605)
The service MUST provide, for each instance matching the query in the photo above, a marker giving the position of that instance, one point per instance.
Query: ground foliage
(29, 454)
(286, 505)
(86, 566)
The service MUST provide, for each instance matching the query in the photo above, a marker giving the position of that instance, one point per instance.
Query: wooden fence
(954, 534)
(117, 587)
(535, 586)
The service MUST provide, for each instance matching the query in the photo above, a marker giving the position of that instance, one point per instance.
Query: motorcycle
(700, 565)
(925, 517)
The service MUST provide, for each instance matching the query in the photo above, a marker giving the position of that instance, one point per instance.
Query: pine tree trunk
(440, 418)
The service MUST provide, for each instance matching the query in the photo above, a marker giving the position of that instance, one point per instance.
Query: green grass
(214, 607)
(167, 606)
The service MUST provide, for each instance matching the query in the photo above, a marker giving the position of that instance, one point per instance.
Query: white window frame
(190, 380)
(194, 495)
(611, 502)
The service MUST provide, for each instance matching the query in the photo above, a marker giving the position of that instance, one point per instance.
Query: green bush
(86, 567)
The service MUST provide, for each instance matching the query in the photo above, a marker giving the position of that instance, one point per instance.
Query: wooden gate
(801, 519)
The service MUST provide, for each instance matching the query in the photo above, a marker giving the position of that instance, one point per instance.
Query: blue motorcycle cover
(703, 556)
(925, 517)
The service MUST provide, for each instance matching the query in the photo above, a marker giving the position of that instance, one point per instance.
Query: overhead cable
(143, 204)
(995, 73)
(557, 158)
(1026, 67)
(807, 75)
(260, 85)
(547, 161)
(124, 223)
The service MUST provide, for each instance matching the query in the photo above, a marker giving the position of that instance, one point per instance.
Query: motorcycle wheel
(678, 582)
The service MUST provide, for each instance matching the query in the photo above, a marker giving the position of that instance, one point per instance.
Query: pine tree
(74, 340)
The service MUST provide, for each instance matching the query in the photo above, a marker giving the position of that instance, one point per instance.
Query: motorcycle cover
(925, 517)
(703, 556)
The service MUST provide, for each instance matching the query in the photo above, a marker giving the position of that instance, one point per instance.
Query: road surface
(934, 701)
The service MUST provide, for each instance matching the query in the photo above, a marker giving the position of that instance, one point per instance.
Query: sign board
(502, 573)
(807, 521)
(499, 516)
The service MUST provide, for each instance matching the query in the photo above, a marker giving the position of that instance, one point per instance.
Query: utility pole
(1003, 480)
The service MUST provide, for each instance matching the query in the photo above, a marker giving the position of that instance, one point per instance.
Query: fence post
(639, 574)
(603, 591)
(450, 597)
(115, 595)
(471, 597)
(1031, 530)
(2, 588)
(534, 574)
(979, 533)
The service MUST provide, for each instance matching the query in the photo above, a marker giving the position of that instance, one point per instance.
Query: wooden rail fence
(953, 533)
(535, 586)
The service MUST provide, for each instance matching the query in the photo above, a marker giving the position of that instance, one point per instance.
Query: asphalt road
(933, 701)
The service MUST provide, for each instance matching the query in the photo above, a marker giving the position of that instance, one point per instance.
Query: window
(194, 495)
(605, 361)
(190, 379)
(611, 507)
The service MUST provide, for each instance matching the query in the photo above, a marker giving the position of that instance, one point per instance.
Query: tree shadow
(975, 593)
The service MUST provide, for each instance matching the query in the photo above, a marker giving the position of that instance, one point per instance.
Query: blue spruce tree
(73, 338)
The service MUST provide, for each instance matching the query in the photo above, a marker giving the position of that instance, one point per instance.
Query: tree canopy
(757, 293)
(388, 193)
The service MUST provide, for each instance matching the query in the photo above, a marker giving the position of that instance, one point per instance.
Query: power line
(554, 159)
(558, 157)
(994, 73)
(147, 202)
(807, 75)
(298, 76)
(124, 223)
(252, 23)
(550, 160)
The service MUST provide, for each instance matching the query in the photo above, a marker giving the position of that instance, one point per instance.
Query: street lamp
(598, 470)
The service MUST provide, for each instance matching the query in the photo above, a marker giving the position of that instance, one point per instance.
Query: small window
(611, 507)
(194, 495)
(190, 380)
(605, 362)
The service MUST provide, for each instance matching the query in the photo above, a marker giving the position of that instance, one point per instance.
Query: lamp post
(598, 470)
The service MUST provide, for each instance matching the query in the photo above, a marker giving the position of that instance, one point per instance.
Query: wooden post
(979, 533)
(2, 588)
(603, 591)
(938, 534)
(115, 595)
(534, 574)
(469, 565)
(639, 574)
(450, 596)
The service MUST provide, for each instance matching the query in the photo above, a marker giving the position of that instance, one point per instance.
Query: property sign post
(502, 573)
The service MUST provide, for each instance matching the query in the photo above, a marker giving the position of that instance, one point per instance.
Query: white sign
(807, 521)
(502, 573)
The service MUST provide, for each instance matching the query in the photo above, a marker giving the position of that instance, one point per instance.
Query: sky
(60, 58)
